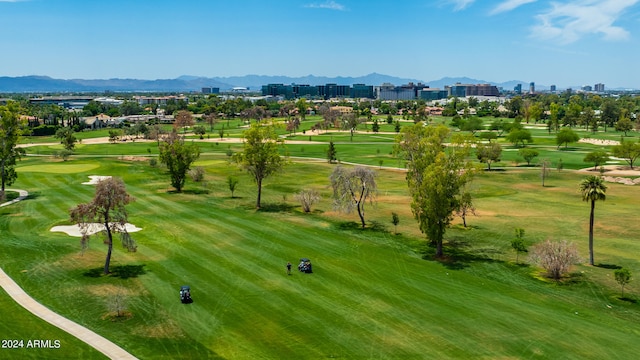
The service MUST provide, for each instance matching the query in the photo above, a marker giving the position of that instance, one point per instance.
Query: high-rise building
(552, 88)
(518, 89)
(532, 87)
(599, 87)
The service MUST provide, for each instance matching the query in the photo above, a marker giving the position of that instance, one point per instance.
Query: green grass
(373, 294)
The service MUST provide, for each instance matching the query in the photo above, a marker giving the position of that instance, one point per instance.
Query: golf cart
(185, 294)
(305, 266)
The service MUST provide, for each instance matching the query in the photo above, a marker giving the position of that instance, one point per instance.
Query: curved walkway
(94, 340)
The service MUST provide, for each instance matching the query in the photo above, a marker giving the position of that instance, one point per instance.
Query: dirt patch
(134, 158)
(165, 330)
(114, 316)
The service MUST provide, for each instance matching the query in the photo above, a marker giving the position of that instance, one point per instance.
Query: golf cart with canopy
(305, 265)
(185, 294)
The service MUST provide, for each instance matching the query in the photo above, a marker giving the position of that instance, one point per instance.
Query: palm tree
(592, 189)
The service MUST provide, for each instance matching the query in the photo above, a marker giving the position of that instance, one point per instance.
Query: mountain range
(187, 83)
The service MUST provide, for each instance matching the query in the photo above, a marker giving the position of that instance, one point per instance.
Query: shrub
(197, 173)
(555, 257)
(307, 199)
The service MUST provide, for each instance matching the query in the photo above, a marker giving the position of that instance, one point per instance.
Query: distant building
(463, 90)
(67, 102)
(211, 90)
(587, 88)
(159, 100)
(432, 94)
(362, 91)
(532, 88)
(518, 89)
(552, 88)
(599, 87)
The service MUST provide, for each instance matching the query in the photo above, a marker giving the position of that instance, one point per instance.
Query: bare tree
(307, 198)
(106, 208)
(555, 257)
(117, 302)
(183, 119)
(465, 207)
(353, 188)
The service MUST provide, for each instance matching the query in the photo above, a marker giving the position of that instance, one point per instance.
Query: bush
(307, 199)
(197, 173)
(555, 257)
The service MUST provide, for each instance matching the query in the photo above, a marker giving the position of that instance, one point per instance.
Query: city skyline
(562, 43)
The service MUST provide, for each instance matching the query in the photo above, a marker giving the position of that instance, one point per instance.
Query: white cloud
(568, 22)
(509, 5)
(329, 4)
(460, 4)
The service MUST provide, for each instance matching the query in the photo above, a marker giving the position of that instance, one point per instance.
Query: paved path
(94, 340)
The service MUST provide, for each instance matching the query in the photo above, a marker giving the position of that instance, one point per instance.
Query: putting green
(57, 168)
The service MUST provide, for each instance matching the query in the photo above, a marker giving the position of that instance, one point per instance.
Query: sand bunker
(94, 179)
(599, 141)
(74, 230)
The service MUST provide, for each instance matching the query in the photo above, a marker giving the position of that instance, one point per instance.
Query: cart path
(92, 339)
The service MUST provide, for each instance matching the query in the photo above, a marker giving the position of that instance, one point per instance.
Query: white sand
(74, 230)
(94, 179)
(599, 142)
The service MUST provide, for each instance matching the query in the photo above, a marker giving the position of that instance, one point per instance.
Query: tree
(597, 157)
(178, 157)
(260, 156)
(544, 170)
(232, 182)
(565, 136)
(199, 130)
(488, 153)
(528, 154)
(592, 189)
(307, 198)
(114, 135)
(302, 107)
(627, 150)
(555, 257)
(625, 125)
(396, 127)
(9, 151)
(395, 220)
(472, 125)
(465, 207)
(211, 119)
(623, 277)
(518, 243)
(183, 119)
(435, 177)
(350, 122)
(375, 127)
(108, 209)
(519, 136)
(67, 138)
(332, 153)
(353, 188)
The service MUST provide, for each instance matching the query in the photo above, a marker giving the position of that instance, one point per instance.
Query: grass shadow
(276, 208)
(119, 271)
(629, 300)
(372, 226)
(608, 266)
(196, 191)
(458, 254)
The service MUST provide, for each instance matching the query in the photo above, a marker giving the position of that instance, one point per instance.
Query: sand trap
(599, 142)
(94, 179)
(74, 230)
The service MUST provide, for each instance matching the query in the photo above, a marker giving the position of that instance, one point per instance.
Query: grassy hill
(373, 293)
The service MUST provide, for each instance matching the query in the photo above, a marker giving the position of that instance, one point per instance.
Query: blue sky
(561, 42)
